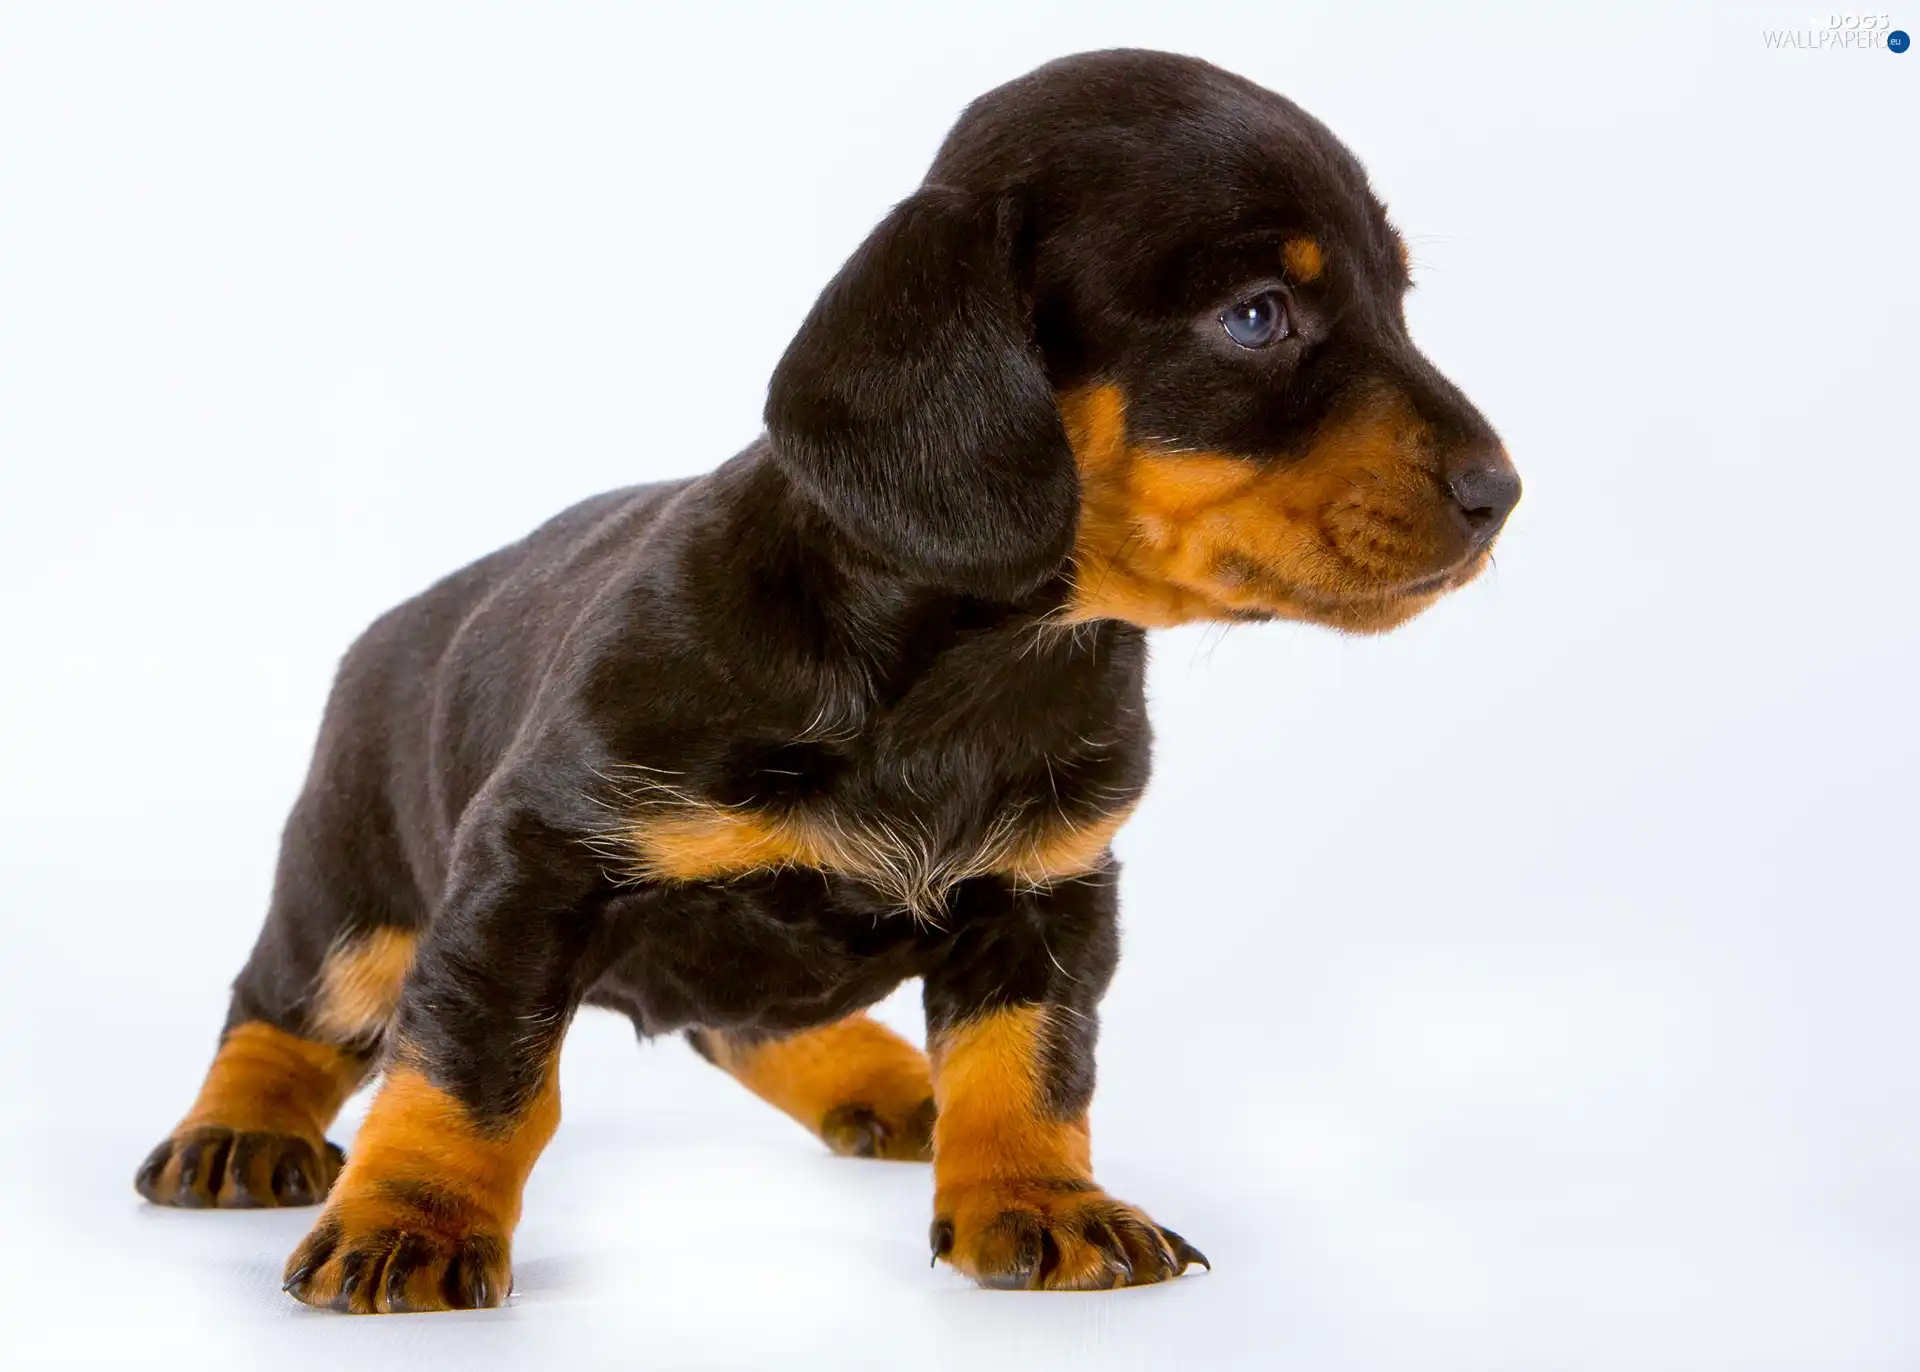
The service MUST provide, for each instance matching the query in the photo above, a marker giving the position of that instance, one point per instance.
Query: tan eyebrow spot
(1302, 259)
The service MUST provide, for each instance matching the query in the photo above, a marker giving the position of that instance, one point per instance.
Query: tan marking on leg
(360, 984)
(990, 1122)
(256, 1134)
(265, 1079)
(415, 1130)
(423, 1216)
(854, 1083)
(1015, 1204)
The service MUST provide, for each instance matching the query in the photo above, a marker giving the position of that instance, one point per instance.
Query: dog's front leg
(423, 1214)
(1011, 1021)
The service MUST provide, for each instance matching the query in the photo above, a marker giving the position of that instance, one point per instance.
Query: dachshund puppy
(737, 755)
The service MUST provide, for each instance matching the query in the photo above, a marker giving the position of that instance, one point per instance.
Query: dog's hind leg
(861, 1088)
(309, 1014)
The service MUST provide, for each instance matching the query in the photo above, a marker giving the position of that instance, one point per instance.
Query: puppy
(737, 755)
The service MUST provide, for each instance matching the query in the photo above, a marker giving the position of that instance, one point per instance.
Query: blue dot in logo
(1897, 41)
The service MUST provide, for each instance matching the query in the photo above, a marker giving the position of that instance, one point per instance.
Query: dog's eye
(1257, 321)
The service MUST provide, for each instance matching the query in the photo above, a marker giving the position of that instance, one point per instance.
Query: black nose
(1486, 495)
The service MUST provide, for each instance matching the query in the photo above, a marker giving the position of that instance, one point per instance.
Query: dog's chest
(1031, 788)
(912, 856)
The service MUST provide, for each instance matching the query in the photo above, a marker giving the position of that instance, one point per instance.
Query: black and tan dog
(737, 755)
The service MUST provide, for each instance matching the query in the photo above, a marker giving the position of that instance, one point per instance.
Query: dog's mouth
(1450, 580)
(1254, 593)
(1438, 582)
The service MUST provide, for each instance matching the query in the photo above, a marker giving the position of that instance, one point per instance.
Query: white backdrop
(1555, 1012)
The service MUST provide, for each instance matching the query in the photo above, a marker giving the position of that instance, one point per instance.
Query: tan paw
(210, 1166)
(859, 1130)
(400, 1247)
(1054, 1236)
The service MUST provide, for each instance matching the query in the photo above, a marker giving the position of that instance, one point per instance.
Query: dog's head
(1142, 328)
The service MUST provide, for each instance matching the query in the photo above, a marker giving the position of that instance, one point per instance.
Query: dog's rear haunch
(737, 755)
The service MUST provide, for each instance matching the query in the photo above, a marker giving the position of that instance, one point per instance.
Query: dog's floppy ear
(913, 405)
